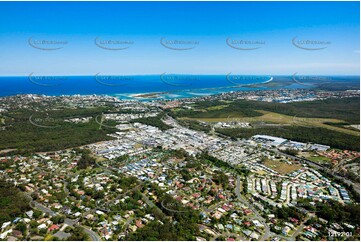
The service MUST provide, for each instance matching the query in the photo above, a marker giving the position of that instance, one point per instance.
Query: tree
(78, 234)
(21, 227)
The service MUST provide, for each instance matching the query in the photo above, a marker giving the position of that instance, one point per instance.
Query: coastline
(151, 88)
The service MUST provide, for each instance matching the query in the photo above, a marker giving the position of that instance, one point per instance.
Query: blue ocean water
(166, 86)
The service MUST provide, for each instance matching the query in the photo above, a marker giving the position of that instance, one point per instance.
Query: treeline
(195, 125)
(347, 109)
(235, 109)
(286, 212)
(343, 125)
(78, 234)
(86, 160)
(299, 133)
(339, 86)
(13, 202)
(222, 164)
(334, 211)
(164, 231)
(182, 225)
(153, 121)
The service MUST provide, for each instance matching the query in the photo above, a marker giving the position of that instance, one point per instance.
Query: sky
(265, 38)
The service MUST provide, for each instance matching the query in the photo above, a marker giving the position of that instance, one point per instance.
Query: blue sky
(209, 24)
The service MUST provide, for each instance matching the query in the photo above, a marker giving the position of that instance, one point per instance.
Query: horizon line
(165, 73)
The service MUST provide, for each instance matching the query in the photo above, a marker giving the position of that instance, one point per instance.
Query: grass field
(277, 118)
(281, 167)
(317, 159)
(219, 107)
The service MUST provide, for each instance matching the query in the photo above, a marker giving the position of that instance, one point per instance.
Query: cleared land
(323, 121)
(219, 107)
(282, 167)
(277, 118)
(316, 158)
(320, 159)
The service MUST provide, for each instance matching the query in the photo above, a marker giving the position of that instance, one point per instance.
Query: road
(150, 203)
(92, 235)
(70, 222)
(300, 228)
(267, 233)
(351, 165)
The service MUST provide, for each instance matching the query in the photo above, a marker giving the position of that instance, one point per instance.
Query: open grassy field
(320, 159)
(282, 167)
(316, 158)
(277, 118)
(219, 107)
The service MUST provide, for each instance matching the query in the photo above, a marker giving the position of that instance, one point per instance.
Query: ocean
(165, 86)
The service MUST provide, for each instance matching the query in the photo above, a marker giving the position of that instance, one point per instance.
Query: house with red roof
(139, 223)
(53, 227)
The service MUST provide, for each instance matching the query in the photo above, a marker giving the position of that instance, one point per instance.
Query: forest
(13, 202)
(53, 132)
